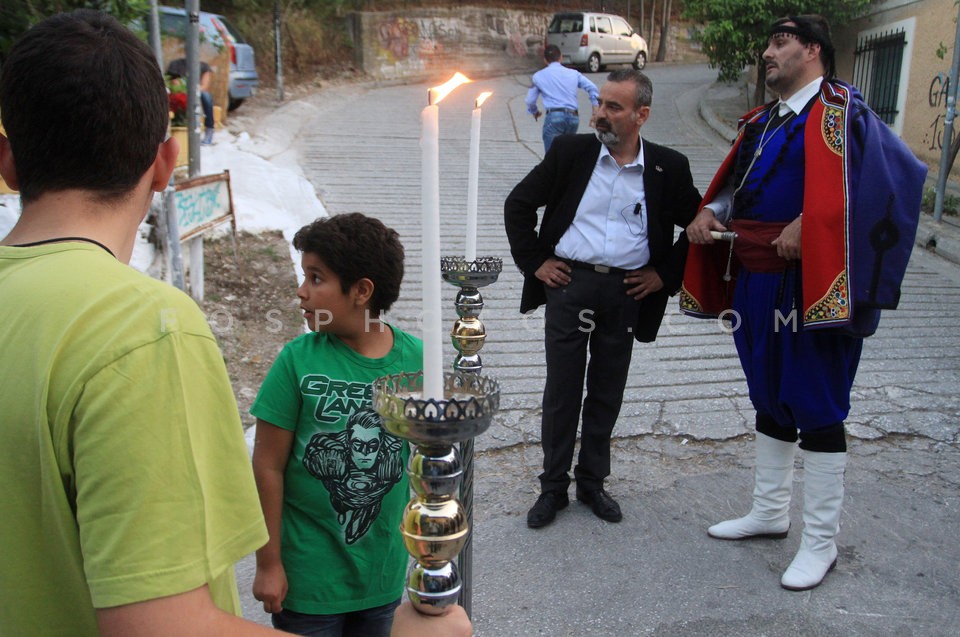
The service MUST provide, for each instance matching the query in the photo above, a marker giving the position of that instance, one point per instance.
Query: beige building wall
(924, 76)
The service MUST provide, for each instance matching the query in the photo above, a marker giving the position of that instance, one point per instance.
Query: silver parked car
(593, 40)
(221, 34)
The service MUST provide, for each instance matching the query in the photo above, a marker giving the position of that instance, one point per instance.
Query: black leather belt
(563, 110)
(602, 269)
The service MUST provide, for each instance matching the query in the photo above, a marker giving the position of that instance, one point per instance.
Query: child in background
(331, 480)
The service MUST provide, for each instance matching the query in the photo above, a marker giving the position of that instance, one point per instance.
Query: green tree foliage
(16, 16)
(735, 31)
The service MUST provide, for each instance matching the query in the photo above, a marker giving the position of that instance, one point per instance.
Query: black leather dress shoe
(545, 509)
(602, 505)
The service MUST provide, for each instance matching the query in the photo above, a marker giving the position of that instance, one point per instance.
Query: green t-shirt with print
(345, 484)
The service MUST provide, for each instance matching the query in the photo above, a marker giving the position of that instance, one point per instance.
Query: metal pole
(466, 553)
(169, 241)
(948, 129)
(278, 54)
(193, 134)
(153, 31)
(193, 85)
(171, 234)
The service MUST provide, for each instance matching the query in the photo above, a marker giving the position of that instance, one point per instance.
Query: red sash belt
(753, 246)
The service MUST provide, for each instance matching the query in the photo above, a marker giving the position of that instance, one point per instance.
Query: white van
(593, 40)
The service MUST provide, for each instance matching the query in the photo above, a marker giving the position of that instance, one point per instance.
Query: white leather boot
(769, 516)
(822, 502)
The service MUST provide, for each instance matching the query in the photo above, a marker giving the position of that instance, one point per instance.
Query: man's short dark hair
(84, 106)
(644, 94)
(552, 53)
(811, 29)
(355, 246)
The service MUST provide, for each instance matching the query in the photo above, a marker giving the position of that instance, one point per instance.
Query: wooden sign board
(203, 203)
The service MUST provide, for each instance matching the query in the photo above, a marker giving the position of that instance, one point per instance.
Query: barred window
(877, 64)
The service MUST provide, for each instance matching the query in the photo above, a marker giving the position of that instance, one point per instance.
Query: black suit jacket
(559, 182)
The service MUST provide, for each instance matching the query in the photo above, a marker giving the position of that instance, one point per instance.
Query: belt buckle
(602, 269)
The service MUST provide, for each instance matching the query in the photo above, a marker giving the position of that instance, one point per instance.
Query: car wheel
(593, 63)
(641, 61)
(234, 104)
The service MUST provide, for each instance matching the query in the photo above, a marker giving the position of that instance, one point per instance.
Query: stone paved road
(682, 457)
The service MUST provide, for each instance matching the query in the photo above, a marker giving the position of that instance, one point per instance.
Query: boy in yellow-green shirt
(128, 492)
(129, 496)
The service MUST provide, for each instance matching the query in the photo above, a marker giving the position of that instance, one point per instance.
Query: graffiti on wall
(396, 38)
(522, 33)
(937, 95)
(408, 44)
(401, 39)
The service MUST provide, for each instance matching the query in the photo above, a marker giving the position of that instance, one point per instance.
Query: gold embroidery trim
(687, 302)
(834, 305)
(832, 129)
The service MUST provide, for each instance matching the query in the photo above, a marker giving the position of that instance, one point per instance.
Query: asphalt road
(682, 450)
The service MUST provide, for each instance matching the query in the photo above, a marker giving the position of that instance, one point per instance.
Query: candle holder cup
(435, 525)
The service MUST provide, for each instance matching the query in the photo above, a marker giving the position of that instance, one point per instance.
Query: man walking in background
(558, 87)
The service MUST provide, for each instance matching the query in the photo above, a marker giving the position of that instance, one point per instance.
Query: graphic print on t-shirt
(358, 466)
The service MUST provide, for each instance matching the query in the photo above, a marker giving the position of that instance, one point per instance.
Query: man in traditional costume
(817, 160)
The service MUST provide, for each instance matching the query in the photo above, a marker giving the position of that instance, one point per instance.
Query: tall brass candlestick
(468, 336)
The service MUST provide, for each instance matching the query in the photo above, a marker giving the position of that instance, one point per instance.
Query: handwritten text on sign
(203, 203)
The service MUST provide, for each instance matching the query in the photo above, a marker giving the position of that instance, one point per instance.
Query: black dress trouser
(591, 314)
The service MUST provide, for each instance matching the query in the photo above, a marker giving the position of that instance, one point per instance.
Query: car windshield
(566, 24)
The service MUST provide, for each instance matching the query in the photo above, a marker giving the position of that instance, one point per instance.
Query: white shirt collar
(798, 100)
(638, 161)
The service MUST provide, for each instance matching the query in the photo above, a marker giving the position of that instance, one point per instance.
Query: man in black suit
(604, 262)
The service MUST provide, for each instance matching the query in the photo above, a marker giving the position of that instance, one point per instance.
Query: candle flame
(483, 98)
(437, 93)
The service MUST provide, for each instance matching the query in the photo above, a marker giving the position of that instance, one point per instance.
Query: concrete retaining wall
(432, 43)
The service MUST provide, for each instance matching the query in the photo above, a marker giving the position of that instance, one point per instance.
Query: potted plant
(177, 99)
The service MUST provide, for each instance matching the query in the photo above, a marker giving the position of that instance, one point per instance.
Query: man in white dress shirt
(604, 262)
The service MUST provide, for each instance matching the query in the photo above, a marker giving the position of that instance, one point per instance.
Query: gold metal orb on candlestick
(435, 525)
(434, 531)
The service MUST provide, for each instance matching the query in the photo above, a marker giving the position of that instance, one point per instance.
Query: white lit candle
(430, 238)
(473, 180)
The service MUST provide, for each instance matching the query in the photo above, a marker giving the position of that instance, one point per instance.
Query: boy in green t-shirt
(331, 479)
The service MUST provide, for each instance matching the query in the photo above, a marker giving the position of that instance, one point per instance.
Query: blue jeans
(558, 123)
(371, 622)
(206, 102)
